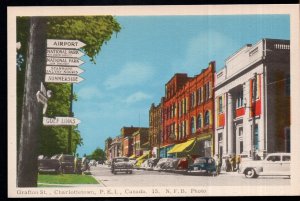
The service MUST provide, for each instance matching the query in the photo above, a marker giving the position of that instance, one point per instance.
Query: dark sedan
(204, 165)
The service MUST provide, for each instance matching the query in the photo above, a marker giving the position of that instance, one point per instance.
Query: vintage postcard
(148, 101)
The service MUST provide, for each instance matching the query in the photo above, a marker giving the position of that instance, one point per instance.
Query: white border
(292, 10)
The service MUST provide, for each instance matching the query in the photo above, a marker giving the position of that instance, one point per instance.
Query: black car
(204, 165)
(47, 165)
(67, 163)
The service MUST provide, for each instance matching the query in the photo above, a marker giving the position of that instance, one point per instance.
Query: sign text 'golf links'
(60, 121)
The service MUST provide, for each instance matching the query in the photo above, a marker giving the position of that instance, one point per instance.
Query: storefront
(163, 151)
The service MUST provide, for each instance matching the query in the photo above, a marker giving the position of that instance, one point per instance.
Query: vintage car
(167, 164)
(121, 164)
(275, 164)
(204, 165)
(49, 164)
(67, 163)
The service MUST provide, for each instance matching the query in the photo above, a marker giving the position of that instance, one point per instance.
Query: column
(229, 124)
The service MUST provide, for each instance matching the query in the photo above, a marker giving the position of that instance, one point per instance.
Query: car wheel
(250, 173)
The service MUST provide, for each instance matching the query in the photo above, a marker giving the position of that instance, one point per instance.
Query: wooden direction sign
(60, 121)
(62, 70)
(64, 53)
(63, 78)
(66, 44)
(64, 61)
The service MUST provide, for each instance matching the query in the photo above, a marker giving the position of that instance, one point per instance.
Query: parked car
(121, 164)
(93, 163)
(167, 164)
(49, 164)
(205, 165)
(275, 164)
(67, 163)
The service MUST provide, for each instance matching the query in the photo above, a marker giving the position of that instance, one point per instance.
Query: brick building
(115, 147)
(108, 142)
(188, 114)
(139, 140)
(155, 128)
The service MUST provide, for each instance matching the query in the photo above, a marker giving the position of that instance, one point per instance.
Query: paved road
(154, 178)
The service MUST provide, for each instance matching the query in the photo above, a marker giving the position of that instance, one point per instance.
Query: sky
(133, 67)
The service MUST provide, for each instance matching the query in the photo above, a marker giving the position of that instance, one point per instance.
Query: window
(207, 91)
(241, 147)
(256, 139)
(273, 158)
(206, 122)
(286, 158)
(192, 100)
(199, 96)
(220, 104)
(240, 131)
(193, 125)
(199, 121)
(240, 100)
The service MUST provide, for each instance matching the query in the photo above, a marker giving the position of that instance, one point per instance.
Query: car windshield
(121, 160)
(68, 158)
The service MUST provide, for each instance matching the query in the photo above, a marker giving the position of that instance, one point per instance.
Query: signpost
(63, 78)
(62, 70)
(62, 64)
(67, 44)
(64, 61)
(64, 53)
(60, 121)
(42, 96)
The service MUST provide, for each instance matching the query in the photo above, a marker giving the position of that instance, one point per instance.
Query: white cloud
(130, 75)
(136, 97)
(88, 93)
(202, 49)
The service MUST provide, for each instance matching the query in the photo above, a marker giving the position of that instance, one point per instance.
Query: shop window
(206, 121)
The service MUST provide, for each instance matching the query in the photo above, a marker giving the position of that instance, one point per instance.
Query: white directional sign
(64, 53)
(63, 78)
(62, 70)
(42, 96)
(60, 121)
(64, 61)
(66, 44)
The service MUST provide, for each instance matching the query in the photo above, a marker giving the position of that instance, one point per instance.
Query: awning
(181, 147)
(204, 137)
(132, 156)
(142, 157)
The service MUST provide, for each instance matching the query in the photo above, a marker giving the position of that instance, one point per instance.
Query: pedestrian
(232, 162)
(218, 164)
(227, 164)
(190, 160)
(238, 162)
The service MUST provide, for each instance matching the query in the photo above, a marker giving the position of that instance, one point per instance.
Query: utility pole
(253, 116)
(70, 127)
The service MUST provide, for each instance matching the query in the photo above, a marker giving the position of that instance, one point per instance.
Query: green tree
(93, 31)
(98, 154)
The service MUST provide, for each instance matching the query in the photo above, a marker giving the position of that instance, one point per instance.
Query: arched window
(206, 121)
(193, 125)
(199, 121)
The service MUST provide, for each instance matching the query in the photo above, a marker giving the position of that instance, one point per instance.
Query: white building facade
(252, 91)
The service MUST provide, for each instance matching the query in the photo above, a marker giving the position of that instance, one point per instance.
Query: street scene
(172, 178)
(105, 101)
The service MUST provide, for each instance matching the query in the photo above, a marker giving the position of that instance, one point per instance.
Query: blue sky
(132, 68)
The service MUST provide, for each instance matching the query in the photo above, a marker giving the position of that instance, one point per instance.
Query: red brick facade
(188, 106)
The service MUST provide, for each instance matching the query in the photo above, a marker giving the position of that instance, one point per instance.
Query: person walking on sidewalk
(218, 163)
(238, 162)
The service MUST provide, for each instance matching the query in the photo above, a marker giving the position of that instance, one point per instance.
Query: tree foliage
(98, 154)
(93, 31)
